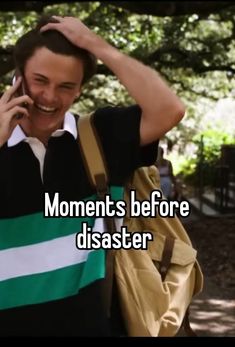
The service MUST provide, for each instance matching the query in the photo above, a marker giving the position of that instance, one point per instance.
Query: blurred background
(192, 45)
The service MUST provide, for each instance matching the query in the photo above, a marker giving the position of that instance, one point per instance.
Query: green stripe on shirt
(34, 228)
(39, 259)
(53, 285)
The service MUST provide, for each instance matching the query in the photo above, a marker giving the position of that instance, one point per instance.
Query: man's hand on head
(73, 29)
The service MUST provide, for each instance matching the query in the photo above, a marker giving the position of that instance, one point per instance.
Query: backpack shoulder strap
(92, 153)
(95, 164)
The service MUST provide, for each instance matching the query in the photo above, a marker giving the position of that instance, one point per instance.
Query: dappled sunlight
(224, 303)
(213, 317)
(205, 315)
(212, 312)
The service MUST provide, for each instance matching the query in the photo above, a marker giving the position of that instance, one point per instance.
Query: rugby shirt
(47, 285)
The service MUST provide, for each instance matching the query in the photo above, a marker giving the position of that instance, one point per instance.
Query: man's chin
(46, 124)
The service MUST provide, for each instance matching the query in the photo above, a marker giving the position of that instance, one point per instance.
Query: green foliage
(100, 92)
(213, 139)
(207, 157)
(13, 25)
(196, 55)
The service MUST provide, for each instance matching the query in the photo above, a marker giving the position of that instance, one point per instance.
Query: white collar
(70, 125)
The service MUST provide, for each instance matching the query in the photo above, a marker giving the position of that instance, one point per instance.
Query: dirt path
(213, 311)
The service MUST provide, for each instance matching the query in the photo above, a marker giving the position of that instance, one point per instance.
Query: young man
(47, 286)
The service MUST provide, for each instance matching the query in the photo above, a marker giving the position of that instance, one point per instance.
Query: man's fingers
(59, 18)
(16, 111)
(47, 27)
(18, 101)
(50, 26)
(11, 91)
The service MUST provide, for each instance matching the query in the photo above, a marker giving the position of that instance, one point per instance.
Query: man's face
(53, 81)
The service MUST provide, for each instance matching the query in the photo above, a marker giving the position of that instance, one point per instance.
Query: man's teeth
(45, 108)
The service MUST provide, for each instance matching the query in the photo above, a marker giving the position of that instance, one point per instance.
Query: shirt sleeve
(119, 131)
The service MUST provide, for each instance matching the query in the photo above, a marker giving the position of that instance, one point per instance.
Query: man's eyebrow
(71, 84)
(40, 75)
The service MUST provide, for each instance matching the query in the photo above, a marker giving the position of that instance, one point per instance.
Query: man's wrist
(97, 45)
(89, 42)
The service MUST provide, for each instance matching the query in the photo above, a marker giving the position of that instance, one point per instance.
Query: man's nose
(49, 95)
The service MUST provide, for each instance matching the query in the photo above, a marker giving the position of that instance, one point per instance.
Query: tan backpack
(155, 285)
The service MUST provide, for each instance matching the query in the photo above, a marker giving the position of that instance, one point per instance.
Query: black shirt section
(22, 192)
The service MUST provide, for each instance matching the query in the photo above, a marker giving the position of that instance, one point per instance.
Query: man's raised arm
(161, 108)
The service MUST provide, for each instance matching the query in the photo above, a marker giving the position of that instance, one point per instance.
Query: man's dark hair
(55, 42)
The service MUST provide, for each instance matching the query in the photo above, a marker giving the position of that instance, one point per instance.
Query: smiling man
(47, 285)
(52, 88)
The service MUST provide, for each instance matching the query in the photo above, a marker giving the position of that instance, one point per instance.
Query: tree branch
(155, 8)
(185, 87)
(173, 8)
(189, 59)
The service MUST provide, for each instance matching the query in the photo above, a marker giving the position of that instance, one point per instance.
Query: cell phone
(21, 90)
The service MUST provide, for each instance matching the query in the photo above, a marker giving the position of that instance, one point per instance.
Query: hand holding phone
(21, 90)
(11, 109)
